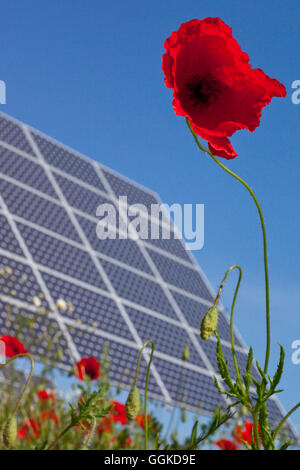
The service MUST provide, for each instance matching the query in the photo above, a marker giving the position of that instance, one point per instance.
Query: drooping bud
(10, 431)
(186, 353)
(209, 323)
(133, 403)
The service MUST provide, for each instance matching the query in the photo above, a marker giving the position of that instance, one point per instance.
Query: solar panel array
(123, 291)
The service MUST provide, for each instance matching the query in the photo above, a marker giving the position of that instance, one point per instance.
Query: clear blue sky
(89, 74)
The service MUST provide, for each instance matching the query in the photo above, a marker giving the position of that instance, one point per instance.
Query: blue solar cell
(12, 134)
(67, 161)
(181, 276)
(40, 211)
(173, 246)
(126, 251)
(168, 338)
(24, 170)
(138, 289)
(25, 289)
(92, 309)
(60, 256)
(8, 240)
(79, 197)
(187, 386)
(135, 195)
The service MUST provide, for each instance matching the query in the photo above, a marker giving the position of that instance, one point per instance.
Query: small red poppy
(245, 433)
(105, 425)
(141, 420)
(13, 346)
(214, 85)
(226, 444)
(50, 415)
(44, 396)
(118, 413)
(30, 426)
(87, 366)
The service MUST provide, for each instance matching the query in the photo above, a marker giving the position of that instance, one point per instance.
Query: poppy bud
(185, 353)
(209, 323)
(10, 431)
(183, 416)
(133, 403)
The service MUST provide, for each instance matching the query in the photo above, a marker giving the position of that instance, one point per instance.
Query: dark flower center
(203, 91)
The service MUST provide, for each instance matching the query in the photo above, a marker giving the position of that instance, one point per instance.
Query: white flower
(61, 304)
(36, 301)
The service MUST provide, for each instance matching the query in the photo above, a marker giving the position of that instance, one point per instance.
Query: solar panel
(123, 291)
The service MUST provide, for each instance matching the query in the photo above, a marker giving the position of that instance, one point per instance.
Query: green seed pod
(183, 416)
(133, 403)
(209, 323)
(185, 353)
(10, 431)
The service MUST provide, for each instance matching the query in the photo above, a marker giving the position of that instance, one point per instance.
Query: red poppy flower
(88, 366)
(226, 444)
(127, 442)
(141, 420)
(214, 85)
(50, 415)
(105, 425)
(31, 426)
(13, 346)
(244, 434)
(44, 396)
(118, 413)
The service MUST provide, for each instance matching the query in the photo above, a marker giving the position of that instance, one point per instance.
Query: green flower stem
(146, 384)
(264, 240)
(256, 432)
(27, 381)
(235, 266)
(275, 433)
(53, 443)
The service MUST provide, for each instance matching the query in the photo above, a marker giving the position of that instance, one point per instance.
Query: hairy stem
(27, 381)
(146, 384)
(275, 433)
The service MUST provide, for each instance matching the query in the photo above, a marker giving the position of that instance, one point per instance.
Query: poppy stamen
(203, 91)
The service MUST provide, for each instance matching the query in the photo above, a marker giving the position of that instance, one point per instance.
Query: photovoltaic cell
(25, 171)
(12, 134)
(8, 241)
(38, 210)
(140, 290)
(181, 276)
(67, 161)
(123, 292)
(123, 250)
(177, 337)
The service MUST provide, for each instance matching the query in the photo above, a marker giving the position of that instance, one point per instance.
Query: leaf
(278, 373)
(285, 445)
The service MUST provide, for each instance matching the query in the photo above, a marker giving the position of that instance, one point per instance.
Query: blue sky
(89, 74)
